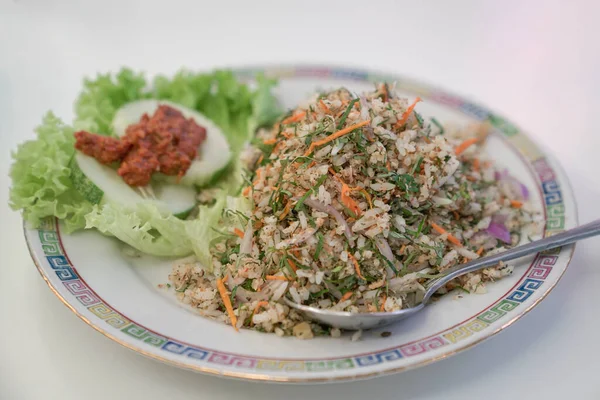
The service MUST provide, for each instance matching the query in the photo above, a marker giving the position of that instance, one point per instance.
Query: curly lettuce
(41, 177)
(103, 96)
(148, 230)
(41, 173)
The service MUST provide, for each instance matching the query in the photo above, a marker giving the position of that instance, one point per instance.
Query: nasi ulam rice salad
(352, 203)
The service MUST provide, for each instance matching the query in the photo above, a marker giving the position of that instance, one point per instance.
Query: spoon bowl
(355, 321)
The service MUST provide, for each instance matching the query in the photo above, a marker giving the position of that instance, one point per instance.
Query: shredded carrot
(246, 191)
(480, 251)
(388, 165)
(292, 264)
(294, 118)
(270, 141)
(227, 301)
(258, 225)
(276, 278)
(287, 135)
(312, 164)
(277, 147)
(238, 232)
(385, 93)
(324, 107)
(451, 238)
(286, 210)
(471, 178)
(476, 164)
(465, 145)
(258, 172)
(407, 113)
(260, 159)
(356, 266)
(465, 260)
(402, 248)
(347, 201)
(335, 135)
(346, 296)
(456, 216)
(426, 139)
(382, 307)
(260, 304)
(516, 203)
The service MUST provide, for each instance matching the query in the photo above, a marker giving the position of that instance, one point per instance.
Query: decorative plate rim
(366, 75)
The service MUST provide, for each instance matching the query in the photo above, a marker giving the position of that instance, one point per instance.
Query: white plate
(120, 298)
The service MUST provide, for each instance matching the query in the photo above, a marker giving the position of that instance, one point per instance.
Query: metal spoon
(355, 321)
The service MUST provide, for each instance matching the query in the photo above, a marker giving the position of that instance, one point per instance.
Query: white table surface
(537, 62)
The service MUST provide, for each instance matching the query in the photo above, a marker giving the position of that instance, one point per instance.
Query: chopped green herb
(419, 118)
(183, 288)
(420, 229)
(346, 113)
(417, 165)
(463, 289)
(436, 123)
(319, 293)
(321, 240)
(233, 292)
(390, 264)
(337, 269)
(300, 202)
(247, 284)
(407, 183)
(410, 258)
(464, 191)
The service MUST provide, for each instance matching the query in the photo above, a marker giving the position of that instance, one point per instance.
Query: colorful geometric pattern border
(533, 281)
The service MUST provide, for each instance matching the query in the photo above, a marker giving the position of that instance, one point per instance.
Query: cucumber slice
(179, 198)
(82, 184)
(214, 153)
(99, 183)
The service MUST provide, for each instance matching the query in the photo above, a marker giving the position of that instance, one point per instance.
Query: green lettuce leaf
(41, 177)
(103, 96)
(148, 230)
(201, 232)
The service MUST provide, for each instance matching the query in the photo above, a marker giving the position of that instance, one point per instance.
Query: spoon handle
(560, 239)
